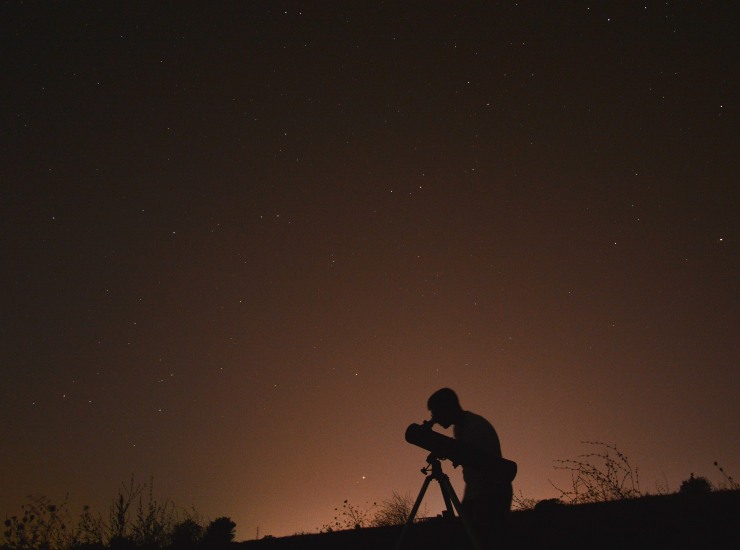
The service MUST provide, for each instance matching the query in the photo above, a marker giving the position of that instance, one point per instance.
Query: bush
(599, 476)
(42, 525)
(219, 533)
(186, 535)
(349, 517)
(695, 485)
(136, 520)
(729, 482)
(520, 502)
(393, 511)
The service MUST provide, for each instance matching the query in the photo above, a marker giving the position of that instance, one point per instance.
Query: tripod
(433, 470)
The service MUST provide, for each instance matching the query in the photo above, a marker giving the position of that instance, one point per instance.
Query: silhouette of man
(486, 501)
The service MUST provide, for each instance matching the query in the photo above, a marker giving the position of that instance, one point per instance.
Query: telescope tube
(441, 446)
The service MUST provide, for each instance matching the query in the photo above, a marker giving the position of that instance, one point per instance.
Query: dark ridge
(709, 520)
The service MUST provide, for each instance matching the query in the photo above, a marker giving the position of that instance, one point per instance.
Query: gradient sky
(243, 242)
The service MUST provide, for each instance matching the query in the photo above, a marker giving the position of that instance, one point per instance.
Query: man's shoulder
(474, 419)
(473, 426)
(477, 432)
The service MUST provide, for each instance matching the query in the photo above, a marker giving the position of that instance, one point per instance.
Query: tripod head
(432, 458)
(434, 465)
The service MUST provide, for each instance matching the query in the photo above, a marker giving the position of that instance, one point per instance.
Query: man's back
(477, 433)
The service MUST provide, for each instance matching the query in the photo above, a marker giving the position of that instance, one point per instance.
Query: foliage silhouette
(393, 511)
(349, 517)
(41, 525)
(135, 520)
(186, 535)
(520, 502)
(219, 533)
(695, 485)
(599, 476)
(729, 482)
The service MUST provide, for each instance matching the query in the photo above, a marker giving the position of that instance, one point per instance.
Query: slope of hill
(709, 520)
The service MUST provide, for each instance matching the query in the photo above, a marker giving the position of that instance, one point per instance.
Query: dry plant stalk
(599, 476)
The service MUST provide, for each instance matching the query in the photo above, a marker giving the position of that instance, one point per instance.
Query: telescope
(443, 447)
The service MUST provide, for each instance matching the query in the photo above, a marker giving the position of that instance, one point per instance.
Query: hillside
(709, 520)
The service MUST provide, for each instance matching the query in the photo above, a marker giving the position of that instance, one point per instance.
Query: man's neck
(460, 417)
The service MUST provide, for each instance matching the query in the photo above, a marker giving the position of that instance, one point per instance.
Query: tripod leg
(414, 510)
(449, 494)
(447, 500)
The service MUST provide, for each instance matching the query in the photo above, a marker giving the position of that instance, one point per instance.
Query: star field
(243, 243)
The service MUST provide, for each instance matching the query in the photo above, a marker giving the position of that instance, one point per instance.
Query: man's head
(445, 407)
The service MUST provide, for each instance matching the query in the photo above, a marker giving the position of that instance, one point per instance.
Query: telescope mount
(433, 471)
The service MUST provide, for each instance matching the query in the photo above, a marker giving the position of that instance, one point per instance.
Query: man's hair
(443, 399)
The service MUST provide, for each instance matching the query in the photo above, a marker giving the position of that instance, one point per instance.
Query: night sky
(243, 242)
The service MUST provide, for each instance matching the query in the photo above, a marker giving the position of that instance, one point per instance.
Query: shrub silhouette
(349, 517)
(186, 535)
(393, 511)
(695, 485)
(136, 521)
(599, 476)
(520, 502)
(729, 482)
(42, 525)
(219, 533)
(547, 504)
